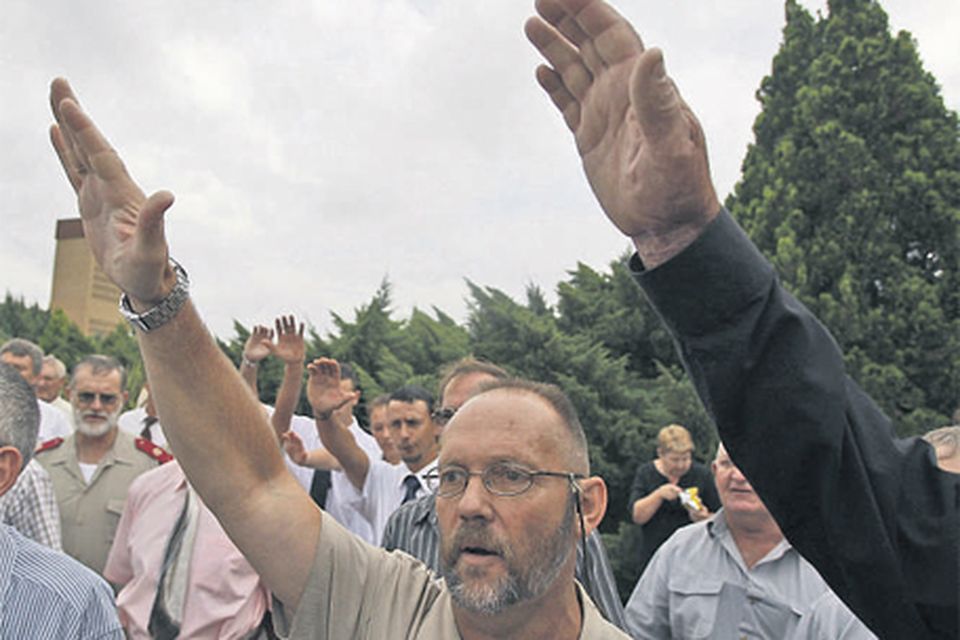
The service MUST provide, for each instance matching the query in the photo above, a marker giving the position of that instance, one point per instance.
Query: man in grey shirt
(734, 575)
(413, 527)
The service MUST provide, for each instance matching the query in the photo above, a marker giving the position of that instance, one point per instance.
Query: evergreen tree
(852, 188)
(17, 320)
(610, 308)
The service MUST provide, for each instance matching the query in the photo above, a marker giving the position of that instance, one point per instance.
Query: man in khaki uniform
(92, 469)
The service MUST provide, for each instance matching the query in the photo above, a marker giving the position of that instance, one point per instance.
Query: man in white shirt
(50, 382)
(384, 486)
(27, 359)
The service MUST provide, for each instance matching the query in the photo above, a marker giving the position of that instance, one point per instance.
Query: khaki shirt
(356, 591)
(89, 513)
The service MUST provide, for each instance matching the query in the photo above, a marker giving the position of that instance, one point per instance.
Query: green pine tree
(852, 188)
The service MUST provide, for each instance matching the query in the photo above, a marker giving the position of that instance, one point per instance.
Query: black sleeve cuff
(711, 280)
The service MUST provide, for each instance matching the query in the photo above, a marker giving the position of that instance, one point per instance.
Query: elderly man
(513, 495)
(731, 576)
(50, 382)
(92, 469)
(44, 593)
(874, 515)
(27, 359)
(413, 527)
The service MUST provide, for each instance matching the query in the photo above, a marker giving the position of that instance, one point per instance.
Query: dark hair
(20, 348)
(347, 372)
(410, 393)
(560, 403)
(19, 413)
(466, 366)
(100, 365)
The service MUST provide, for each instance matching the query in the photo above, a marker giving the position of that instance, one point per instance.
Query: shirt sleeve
(873, 514)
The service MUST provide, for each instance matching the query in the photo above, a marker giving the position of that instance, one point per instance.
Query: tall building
(80, 288)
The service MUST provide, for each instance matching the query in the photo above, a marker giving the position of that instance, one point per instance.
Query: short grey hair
(20, 348)
(556, 399)
(58, 366)
(19, 413)
(946, 438)
(100, 365)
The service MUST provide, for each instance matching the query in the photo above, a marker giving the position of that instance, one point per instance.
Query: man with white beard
(93, 468)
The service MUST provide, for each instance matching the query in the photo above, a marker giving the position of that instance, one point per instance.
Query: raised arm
(315, 459)
(326, 396)
(641, 146)
(213, 422)
(290, 348)
(873, 515)
(257, 347)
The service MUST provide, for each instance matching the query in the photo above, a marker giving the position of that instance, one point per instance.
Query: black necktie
(412, 484)
(148, 422)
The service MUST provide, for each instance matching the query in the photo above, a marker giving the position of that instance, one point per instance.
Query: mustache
(476, 536)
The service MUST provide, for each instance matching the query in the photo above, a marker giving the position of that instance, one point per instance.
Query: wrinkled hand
(123, 227)
(290, 346)
(642, 148)
(259, 344)
(323, 387)
(293, 446)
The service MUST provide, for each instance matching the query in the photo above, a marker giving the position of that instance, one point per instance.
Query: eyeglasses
(442, 415)
(106, 399)
(500, 479)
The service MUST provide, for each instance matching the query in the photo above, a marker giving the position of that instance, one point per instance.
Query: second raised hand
(290, 346)
(323, 388)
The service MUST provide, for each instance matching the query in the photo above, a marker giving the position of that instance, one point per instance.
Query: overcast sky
(318, 147)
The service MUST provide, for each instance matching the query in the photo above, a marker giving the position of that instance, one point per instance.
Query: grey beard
(516, 586)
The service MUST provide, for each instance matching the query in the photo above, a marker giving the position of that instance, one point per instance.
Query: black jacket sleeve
(873, 514)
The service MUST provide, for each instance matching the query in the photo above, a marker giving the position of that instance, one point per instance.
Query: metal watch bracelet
(165, 310)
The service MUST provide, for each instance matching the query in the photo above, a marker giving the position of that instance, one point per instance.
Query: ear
(10, 463)
(593, 502)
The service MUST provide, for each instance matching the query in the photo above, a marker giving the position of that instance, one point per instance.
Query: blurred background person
(655, 498)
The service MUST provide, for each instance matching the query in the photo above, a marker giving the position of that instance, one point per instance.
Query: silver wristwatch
(161, 313)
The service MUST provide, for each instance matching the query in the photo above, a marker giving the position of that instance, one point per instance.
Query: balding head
(556, 417)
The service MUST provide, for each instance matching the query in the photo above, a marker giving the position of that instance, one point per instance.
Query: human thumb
(654, 98)
(150, 223)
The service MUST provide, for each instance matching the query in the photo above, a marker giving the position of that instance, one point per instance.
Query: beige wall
(79, 287)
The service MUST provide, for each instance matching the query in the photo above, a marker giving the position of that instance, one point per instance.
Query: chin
(94, 430)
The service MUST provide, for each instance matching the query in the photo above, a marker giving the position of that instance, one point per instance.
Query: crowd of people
(471, 512)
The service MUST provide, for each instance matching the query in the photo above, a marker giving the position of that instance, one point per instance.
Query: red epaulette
(155, 451)
(53, 443)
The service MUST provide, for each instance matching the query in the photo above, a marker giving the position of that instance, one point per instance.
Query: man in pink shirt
(160, 535)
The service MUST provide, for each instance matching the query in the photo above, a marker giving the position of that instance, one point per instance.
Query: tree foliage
(852, 188)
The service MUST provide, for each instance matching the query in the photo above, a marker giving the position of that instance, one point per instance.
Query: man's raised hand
(259, 344)
(293, 446)
(123, 227)
(290, 346)
(642, 148)
(323, 388)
